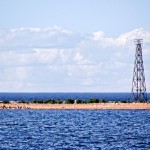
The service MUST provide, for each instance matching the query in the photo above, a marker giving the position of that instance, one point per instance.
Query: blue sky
(114, 17)
(71, 45)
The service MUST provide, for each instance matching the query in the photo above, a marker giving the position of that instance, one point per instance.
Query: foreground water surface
(75, 129)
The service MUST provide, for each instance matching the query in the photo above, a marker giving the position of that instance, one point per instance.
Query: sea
(64, 96)
(74, 129)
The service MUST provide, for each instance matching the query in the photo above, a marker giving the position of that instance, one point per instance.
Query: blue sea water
(75, 129)
(63, 96)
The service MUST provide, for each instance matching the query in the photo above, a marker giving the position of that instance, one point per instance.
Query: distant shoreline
(90, 106)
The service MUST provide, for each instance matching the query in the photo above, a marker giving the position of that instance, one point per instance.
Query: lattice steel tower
(138, 83)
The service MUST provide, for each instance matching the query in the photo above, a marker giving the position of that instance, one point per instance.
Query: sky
(72, 45)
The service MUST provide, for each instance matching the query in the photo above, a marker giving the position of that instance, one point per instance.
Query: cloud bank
(55, 59)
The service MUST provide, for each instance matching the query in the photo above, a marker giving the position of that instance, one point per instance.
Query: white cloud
(25, 38)
(46, 55)
(139, 33)
(103, 40)
(56, 59)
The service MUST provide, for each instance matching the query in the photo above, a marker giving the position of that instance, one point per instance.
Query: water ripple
(75, 129)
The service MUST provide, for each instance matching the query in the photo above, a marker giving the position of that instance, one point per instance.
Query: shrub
(124, 101)
(141, 101)
(49, 101)
(37, 101)
(53, 102)
(59, 101)
(78, 101)
(34, 101)
(40, 101)
(5, 101)
(22, 101)
(69, 101)
(93, 100)
(103, 101)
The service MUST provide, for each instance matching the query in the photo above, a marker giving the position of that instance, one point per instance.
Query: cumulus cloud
(27, 38)
(58, 60)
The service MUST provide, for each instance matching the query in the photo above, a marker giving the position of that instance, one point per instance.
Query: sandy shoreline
(92, 106)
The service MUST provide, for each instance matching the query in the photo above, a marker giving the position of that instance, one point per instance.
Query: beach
(91, 106)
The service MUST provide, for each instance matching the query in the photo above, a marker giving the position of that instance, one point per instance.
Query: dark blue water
(63, 96)
(75, 129)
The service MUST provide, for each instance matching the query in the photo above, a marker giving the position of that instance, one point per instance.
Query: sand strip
(93, 106)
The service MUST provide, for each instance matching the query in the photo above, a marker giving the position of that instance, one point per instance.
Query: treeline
(71, 101)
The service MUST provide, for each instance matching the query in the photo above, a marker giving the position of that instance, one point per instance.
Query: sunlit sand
(93, 106)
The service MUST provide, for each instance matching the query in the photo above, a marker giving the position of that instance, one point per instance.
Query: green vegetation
(58, 101)
(93, 100)
(22, 101)
(48, 101)
(37, 101)
(69, 101)
(6, 102)
(141, 101)
(79, 101)
(124, 101)
(103, 101)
